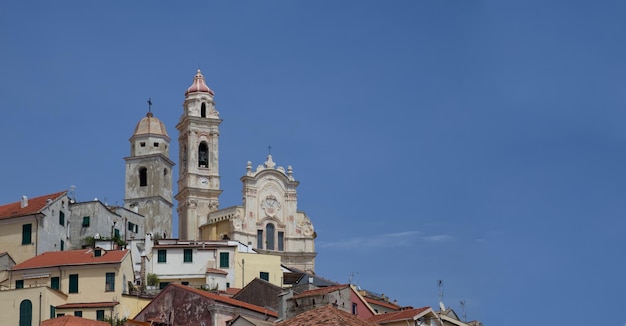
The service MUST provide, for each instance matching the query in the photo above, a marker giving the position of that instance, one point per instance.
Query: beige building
(32, 226)
(89, 283)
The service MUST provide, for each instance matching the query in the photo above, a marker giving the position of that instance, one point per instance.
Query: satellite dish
(442, 306)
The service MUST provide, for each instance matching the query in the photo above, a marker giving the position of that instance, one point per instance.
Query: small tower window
(203, 155)
(156, 144)
(203, 110)
(142, 144)
(143, 177)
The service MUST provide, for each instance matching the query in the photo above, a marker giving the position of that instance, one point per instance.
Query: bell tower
(198, 175)
(149, 175)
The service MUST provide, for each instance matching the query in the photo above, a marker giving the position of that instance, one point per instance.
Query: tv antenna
(440, 286)
(462, 303)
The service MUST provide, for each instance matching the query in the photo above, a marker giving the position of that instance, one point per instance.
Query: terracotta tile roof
(71, 258)
(227, 300)
(72, 321)
(232, 291)
(408, 314)
(216, 271)
(382, 303)
(132, 322)
(88, 305)
(320, 291)
(35, 205)
(326, 315)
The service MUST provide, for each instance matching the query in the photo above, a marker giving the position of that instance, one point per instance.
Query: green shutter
(19, 284)
(26, 234)
(26, 313)
(100, 315)
(264, 276)
(85, 221)
(61, 218)
(162, 256)
(224, 260)
(53, 312)
(109, 282)
(188, 256)
(54, 283)
(62, 245)
(73, 283)
(117, 233)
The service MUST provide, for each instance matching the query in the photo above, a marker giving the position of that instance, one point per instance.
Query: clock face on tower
(203, 181)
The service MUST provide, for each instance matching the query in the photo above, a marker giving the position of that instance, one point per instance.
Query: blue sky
(481, 143)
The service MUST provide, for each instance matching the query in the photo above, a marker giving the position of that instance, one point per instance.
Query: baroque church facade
(268, 220)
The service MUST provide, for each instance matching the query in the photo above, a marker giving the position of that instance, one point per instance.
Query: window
(62, 245)
(185, 283)
(60, 315)
(19, 284)
(188, 256)
(143, 177)
(78, 313)
(224, 260)
(131, 226)
(26, 313)
(264, 276)
(354, 309)
(162, 256)
(203, 155)
(61, 218)
(85, 221)
(136, 228)
(203, 110)
(269, 236)
(54, 283)
(142, 144)
(281, 241)
(97, 253)
(156, 144)
(162, 285)
(73, 283)
(100, 315)
(53, 312)
(117, 233)
(227, 285)
(26, 233)
(259, 239)
(109, 282)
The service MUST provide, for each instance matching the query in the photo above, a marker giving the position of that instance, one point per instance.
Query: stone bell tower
(149, 175)
(198, 175)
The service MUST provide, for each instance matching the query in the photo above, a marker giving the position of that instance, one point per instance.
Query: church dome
(199, 85)
(150, 125)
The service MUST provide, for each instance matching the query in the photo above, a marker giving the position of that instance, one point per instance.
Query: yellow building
(89, 283)
(249, 266)
(32, 226)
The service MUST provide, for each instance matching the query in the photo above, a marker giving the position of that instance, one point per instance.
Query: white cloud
(387, 240)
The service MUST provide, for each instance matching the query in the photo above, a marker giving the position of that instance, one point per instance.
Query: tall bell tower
(149, 175)
(198, 175)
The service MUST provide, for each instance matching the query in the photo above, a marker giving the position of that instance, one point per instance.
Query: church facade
(268, 219)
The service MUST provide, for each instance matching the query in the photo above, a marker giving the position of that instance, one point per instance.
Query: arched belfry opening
(203, 110)
(203, 155)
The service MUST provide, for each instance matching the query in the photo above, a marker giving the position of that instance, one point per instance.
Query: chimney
(24, 202)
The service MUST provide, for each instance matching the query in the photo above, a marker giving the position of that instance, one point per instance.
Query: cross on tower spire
(269, 150)
(149, 105)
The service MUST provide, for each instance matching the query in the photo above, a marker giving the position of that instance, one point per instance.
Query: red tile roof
(320, 291)
(408, 314)
(382, 303)
(71, 258)
(35, 205)
(72, 321)
(216, 271)
(88, 305)
(326, 315)
(227, 300)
